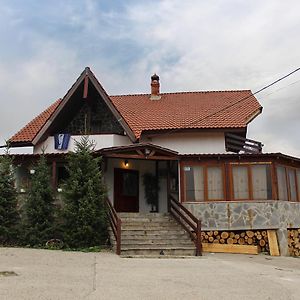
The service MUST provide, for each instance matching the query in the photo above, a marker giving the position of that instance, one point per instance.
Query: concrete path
(43, 274)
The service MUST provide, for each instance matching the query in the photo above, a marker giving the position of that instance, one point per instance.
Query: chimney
(155, 87)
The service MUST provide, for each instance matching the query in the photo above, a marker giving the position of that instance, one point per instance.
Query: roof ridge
(183, 92)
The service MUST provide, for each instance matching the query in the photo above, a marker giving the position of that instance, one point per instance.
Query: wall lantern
(32, 171)
(126, 163)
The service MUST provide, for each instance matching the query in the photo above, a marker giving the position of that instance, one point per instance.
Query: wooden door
(126, 190)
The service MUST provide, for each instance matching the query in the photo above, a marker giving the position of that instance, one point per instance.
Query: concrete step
(142, 215)
(156, 226)
(154, 251)
(148, 220)
(157, 237)
(157, 242)
(152, 231)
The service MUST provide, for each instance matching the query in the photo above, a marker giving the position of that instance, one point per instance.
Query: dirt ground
(43, 274)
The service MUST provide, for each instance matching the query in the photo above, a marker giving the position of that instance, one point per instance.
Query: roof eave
(254, 115)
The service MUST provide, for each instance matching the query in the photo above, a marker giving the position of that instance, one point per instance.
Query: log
(216, 233)
(224, 235)
(242, 234)
(297, 246)
(231, 235)
(250, 234)
(259, 236)
(250, 241)
(230, 240)
(225, 248)
(211, 239)
(241, 241)
(262, 243)
(210, 233)
(222, 241)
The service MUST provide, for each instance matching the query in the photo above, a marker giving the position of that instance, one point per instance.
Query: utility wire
(231, 105)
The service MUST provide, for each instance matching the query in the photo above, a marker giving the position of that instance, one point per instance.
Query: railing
(188, 221)
(115, 223)
(236, 143)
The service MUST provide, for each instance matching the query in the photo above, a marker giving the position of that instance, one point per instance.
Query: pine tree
(84, 194)
(9, 216)
(39, 208)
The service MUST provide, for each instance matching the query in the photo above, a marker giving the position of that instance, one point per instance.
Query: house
(193, 143)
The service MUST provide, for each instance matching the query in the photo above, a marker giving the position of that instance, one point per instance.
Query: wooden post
(156, 177)
(198, 239)
(118, 237)
(168, 185)
(85, 87)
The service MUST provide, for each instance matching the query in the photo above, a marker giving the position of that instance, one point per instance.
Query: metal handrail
(188, 221)
(115, 223)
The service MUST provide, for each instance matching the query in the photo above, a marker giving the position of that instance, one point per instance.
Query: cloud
(193, 45)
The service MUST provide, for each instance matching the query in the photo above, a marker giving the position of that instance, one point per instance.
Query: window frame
(286, 170)
(205, 166)
(250, 179)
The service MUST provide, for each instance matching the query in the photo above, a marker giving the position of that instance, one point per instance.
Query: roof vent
(155, 87)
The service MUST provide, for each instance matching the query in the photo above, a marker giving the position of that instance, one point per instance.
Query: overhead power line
(231, 105)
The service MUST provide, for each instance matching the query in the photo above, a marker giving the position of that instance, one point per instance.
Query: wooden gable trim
(139, 151)
(111, 106)
(85, 76)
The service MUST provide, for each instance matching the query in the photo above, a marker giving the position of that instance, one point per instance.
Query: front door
(126, 190)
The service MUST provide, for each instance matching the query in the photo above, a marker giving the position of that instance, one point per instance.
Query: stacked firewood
(294, 242)
(249, 237)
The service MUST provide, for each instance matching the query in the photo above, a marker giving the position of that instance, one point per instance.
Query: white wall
(101, 141)
(191, 143)
(143, 167)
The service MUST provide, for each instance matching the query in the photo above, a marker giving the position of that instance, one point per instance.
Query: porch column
(168, 184)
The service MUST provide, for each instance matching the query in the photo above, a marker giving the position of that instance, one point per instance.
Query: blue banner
(61, 141)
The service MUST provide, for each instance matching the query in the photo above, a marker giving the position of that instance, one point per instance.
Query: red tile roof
(217, 109)
(28, 132)
(185, 110)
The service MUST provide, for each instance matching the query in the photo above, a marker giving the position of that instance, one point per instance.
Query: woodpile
(250, 237)
(293, 242)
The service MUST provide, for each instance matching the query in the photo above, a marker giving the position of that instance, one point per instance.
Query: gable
(89, 115)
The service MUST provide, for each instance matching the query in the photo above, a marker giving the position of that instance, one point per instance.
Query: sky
(193, 45)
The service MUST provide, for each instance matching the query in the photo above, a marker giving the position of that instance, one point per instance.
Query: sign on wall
(61, 141)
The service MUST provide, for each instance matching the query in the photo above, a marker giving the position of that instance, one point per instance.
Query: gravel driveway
(43, 274)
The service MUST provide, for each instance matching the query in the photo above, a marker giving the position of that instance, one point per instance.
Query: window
(292, 185)
(261, 182)
(288, 179)
(298, 183)
(282, 184)
(240, 182)
(215, 183)
(252, 181)
(194, 183)
(203, 183)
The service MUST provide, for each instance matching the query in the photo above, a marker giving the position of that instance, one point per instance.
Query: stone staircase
(153, 234)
